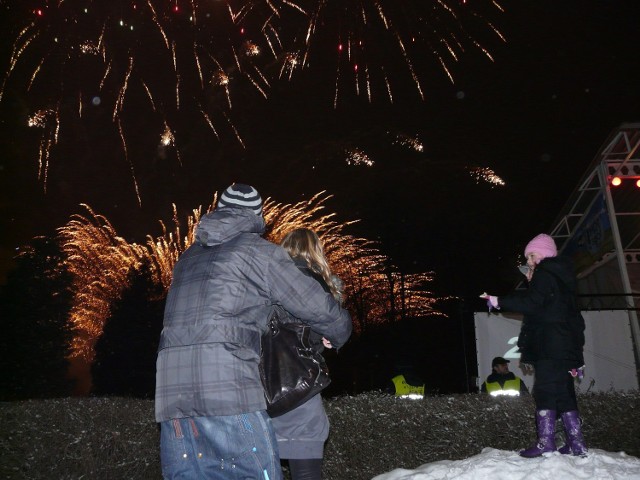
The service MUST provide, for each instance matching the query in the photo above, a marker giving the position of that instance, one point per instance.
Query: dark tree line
(125, 361)
(34, 307)
(36, 336)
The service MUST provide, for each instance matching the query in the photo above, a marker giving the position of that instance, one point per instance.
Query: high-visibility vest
(403, 388)
(511, 387)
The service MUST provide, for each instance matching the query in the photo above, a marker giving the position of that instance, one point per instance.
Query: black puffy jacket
(552, 327)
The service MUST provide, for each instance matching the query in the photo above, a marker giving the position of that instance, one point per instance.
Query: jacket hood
(223, 224)
(562, 267)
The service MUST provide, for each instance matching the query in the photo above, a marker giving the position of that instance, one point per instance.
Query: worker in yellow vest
(502, 381)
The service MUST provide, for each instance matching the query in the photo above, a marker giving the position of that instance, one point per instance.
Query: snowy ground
(494, 464)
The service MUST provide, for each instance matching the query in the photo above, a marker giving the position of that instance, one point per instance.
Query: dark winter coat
(553, 327)
(223, 290)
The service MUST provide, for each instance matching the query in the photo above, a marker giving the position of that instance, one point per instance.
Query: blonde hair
(305, 244)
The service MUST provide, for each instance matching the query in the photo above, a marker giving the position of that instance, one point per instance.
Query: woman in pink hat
(551, 343)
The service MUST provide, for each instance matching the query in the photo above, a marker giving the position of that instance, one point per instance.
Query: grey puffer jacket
(223, 290)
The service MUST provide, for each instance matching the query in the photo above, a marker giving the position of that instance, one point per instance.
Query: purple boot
(573, 429)
(565, 449)
(546, 426)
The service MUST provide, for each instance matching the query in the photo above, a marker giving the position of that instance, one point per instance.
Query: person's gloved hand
(492, 301)
(577, 372)
(326, 343)
(526, 368)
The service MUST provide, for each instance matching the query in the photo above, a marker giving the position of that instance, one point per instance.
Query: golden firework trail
(101, 263)
(356, 156)
(373, 37)
(485, 174)
(108, 54)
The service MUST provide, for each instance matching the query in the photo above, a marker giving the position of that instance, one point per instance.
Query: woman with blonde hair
(304, 244)
(302, 432)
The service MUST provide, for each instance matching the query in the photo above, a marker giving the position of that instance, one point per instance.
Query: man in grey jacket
(209, 398)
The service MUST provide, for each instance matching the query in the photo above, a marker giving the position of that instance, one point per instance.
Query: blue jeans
(221, 447)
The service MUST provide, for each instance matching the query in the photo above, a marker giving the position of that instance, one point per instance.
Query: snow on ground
(492, 464)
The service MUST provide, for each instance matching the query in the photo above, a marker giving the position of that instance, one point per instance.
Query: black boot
(306, 469)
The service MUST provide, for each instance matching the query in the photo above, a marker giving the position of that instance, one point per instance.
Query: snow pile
(494, 464)
(372, 433)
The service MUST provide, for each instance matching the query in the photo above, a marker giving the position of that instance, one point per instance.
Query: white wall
(608, 350)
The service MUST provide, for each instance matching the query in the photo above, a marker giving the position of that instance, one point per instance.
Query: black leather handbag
(290, 369)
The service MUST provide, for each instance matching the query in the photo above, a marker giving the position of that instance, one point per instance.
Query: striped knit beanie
(240, 195)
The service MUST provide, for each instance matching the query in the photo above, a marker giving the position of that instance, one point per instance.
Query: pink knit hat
(543, 245)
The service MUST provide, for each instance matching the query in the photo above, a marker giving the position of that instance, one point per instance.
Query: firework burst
(101, 263)
(152, 58)
(367, 40)
(412, 143)
(49, 122)
(173, 63)
(485, 174)
(356, 156)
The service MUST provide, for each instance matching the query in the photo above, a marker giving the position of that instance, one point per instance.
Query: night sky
(565, 77)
